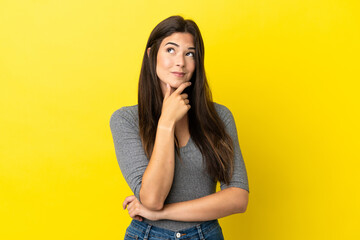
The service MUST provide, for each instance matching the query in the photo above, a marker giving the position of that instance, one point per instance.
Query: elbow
(151, 202)
(152, 205)
(241, 208)
(242, 200)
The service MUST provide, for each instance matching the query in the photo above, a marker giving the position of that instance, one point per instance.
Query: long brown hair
(205, 126)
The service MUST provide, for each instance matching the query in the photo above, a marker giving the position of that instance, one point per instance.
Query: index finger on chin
(182, 87)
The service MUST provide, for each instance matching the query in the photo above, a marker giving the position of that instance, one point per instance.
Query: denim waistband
(199, 230)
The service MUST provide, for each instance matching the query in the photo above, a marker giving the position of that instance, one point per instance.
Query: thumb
(168, 90)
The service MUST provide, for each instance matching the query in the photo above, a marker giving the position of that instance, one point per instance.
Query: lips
(178, 74)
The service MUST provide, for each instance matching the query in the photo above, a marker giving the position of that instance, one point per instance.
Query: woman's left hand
(137, 211)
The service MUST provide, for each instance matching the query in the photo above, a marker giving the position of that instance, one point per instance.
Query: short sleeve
(239, 178)
(128, 148)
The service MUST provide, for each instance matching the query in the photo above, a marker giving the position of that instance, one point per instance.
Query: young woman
(176, 144)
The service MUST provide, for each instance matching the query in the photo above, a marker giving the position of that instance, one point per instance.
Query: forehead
(182, 39)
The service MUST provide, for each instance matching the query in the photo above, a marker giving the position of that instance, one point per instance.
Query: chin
(177, 84)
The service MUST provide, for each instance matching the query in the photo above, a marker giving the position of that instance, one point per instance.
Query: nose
(180, 61)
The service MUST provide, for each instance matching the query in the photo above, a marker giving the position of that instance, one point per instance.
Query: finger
(168, 91)
(134, 212)
(138, 218)
(131, 205)
(128, 200)
(186, 101)
(171, 90)
(182, 87)
(184, 95)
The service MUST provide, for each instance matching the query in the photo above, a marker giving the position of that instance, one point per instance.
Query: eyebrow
(177, 45)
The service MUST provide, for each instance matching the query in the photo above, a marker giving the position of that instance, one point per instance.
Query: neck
(182, 125)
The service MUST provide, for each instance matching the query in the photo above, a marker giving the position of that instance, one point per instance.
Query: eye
(191, 54)
(170, 50)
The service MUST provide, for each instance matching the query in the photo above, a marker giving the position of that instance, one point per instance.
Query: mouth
(178, 74)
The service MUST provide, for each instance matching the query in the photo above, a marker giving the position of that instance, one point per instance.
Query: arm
(217, 205)
(158, 176)
(138, 171)
(232, 199)
(149, 180)
(239, 177)
(214, 206)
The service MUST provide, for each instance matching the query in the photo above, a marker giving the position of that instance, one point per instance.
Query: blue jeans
(209, 230)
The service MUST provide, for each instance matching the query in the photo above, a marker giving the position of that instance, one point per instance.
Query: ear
(148, 51)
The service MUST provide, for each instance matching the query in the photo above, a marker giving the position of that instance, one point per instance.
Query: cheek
(162, 66)
(191, 66)
(163, 62)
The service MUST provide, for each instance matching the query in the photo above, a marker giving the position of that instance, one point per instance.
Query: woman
(175, 145)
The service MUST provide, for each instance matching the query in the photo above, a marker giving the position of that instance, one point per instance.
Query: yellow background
(287, 69)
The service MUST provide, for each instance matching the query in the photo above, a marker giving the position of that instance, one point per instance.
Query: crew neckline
(187, 144)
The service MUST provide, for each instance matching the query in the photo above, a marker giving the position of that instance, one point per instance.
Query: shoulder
(223, 112)
(125, 115)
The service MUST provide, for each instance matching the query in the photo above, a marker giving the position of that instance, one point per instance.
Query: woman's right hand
(175, 105)
(137, 211)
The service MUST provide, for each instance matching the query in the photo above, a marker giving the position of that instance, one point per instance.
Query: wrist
(166, 124)
(161, 214)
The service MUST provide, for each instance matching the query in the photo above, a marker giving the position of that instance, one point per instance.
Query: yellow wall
(287, 69)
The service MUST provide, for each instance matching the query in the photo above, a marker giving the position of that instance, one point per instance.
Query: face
(175, 60)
